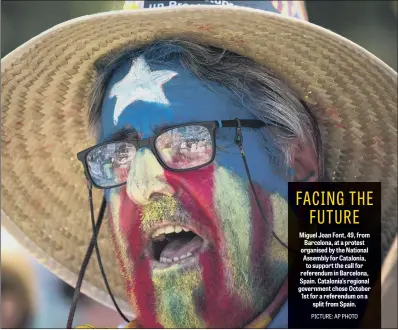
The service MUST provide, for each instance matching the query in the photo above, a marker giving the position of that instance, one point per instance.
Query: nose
(146, 178)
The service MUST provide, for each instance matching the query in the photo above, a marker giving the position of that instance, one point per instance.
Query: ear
(304, 163)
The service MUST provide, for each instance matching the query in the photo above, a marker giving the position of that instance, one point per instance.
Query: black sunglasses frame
(151, 143)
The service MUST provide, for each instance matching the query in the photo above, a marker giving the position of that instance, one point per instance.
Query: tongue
(177, 247)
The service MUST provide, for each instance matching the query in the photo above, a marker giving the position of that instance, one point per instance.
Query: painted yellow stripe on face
(233, 208)
(146, 177)
(280, 213)
(176, 306)
(278, 265)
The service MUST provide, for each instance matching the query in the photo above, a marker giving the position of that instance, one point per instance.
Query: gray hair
(256, 88)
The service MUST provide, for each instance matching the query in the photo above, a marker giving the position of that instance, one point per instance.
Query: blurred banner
(288, 8)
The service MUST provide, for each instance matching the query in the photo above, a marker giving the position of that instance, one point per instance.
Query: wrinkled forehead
(147, 94)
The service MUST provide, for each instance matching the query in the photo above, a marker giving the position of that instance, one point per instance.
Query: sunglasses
(177, 148)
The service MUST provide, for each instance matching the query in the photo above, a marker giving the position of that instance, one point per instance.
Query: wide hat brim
(45, 87)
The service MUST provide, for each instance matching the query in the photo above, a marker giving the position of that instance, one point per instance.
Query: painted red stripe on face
(219, 308)
(195, 190)
(196, 194)
(145, 297)
(130, 222)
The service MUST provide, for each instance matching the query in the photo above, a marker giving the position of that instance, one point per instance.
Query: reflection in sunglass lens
(109, 164)
(185, 147)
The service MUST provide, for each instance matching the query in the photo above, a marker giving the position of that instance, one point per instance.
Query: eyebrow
(124, 134)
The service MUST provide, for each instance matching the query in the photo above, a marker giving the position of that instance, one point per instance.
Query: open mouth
(175, 245)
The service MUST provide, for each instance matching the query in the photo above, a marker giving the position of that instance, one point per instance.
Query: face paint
(176, 303)
(140, 84)
(280, 207)
(120, 244)
(236, 264)
(229, 197)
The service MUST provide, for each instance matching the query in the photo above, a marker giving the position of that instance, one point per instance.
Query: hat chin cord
(93, 244)
(96, 227)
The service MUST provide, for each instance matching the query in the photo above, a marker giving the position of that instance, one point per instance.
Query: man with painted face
(185, 103)
(190, 239)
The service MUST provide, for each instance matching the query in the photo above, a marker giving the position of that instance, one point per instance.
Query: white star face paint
(140, 84)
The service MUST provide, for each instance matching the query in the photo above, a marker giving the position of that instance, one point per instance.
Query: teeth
(186, 255)
(166, 260)
(160, 237)
(169, 229)
(158, 234)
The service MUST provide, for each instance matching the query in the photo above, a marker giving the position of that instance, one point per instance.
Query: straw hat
(45, 88)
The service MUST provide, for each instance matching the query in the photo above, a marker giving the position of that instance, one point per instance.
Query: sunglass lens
(185, 147)
(109, 164)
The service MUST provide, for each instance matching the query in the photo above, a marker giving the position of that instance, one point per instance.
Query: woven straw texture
(45, 86)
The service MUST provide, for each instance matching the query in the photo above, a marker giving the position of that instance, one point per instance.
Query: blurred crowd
(32, 297)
